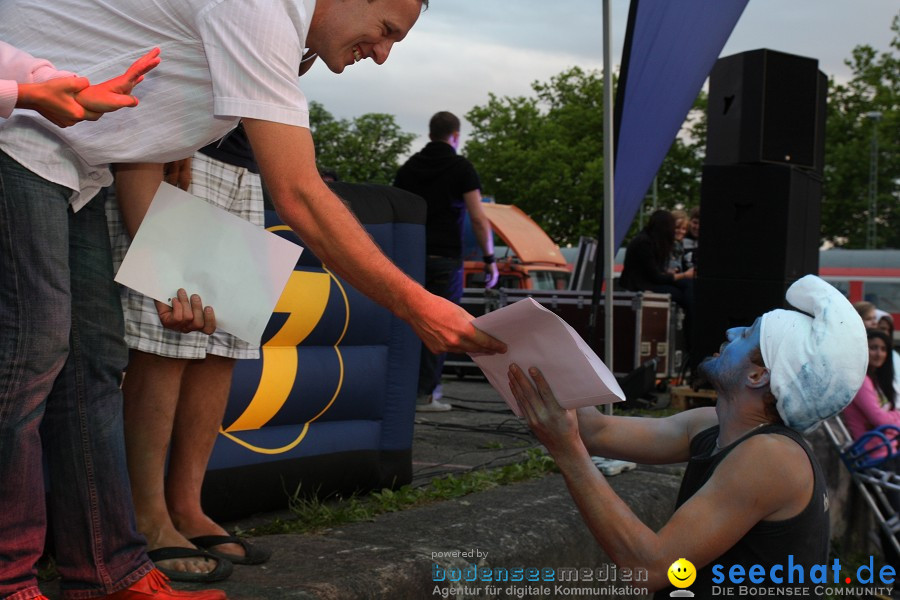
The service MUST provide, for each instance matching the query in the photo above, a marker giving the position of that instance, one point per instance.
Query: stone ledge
(530, 524)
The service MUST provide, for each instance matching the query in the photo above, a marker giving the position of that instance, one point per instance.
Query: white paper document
(537, 337)
(236, 267)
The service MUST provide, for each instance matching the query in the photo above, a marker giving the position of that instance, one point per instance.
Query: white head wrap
(817, 363)
(883, 314)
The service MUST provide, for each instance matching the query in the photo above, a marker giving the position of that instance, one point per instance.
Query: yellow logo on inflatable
(304, 299)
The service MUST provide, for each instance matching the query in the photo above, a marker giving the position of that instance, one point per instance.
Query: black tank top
(806, 536)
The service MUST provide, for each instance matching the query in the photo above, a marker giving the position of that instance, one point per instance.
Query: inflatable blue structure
(329, 406)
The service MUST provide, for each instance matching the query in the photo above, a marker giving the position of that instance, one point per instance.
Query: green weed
(312, 514)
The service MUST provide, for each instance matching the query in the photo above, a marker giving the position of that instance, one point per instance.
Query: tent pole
(609, 250)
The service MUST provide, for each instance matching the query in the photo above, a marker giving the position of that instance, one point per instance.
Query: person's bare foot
(171, 538)
(201, 526)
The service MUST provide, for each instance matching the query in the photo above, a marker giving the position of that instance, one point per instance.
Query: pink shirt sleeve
(866, 413)
(17, 66)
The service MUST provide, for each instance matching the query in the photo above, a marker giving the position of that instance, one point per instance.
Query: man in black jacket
(450, 186)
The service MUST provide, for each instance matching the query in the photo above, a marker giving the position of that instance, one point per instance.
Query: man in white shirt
(61, 347)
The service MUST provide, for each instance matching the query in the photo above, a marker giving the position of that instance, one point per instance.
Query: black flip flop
(222, 571)
(253, 555)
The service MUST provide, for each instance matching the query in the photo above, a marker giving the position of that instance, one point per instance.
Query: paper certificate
(537, 337)
(236, 267)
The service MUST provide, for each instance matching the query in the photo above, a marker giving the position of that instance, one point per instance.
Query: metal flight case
(641, 324)
(644, 327)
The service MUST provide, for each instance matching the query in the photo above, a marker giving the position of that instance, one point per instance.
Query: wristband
(489, 259)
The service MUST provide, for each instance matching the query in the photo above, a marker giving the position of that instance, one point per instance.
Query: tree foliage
(851, 127)
(366, 149)
(544, 153)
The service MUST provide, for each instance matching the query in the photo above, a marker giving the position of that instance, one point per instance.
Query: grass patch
(312, 514)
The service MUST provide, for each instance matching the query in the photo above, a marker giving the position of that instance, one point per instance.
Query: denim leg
(53, 262)
(443, 277)
(34, 332)
(91, 512)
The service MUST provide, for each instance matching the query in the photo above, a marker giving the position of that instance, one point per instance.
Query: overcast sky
(461, 50)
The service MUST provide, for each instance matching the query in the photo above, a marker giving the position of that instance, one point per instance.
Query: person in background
(866, 311)
(647, 261)
(450, 186)
(691, 241)
(676, 257)
(873, 404)
(886, 324)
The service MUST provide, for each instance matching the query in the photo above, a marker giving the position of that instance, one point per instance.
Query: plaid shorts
(238, 191)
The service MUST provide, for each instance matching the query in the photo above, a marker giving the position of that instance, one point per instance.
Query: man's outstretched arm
(762, 478)
(286, 158)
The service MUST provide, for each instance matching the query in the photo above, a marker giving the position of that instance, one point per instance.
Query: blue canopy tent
(669, 50)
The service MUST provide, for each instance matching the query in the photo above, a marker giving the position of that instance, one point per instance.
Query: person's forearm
(20, 66)
(334, 234)
(484, 234)
(627, 540)
(286, 159)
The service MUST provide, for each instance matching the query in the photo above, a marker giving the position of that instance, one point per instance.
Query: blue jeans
(61, 359)
(444, 278)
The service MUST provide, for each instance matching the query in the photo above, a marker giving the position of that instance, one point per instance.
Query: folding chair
(863, 458)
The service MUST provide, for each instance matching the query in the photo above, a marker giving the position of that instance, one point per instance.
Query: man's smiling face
(344, 32)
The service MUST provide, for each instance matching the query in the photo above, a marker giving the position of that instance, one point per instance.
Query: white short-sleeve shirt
(221, 60)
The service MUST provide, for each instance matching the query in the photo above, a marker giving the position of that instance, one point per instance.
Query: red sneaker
(155, 586)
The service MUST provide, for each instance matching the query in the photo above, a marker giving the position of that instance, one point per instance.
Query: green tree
(366, 149)
(544, 153)
(865, 107)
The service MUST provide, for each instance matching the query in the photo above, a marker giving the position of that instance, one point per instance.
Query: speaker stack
(761, 189)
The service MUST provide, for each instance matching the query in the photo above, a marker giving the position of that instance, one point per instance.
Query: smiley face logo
(682, 573)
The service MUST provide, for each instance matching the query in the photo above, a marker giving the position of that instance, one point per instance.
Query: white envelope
(236, 267)
(537, 337)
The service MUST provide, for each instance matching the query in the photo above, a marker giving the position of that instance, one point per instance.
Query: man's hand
(553, 425)
(187, 314)
(115, 93)
(446, 327)
(491, 275)
(56, 100)
(178, 173)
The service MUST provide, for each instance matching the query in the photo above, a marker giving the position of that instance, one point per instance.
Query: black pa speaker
(766, 106)
(760, 222)
(725, 303)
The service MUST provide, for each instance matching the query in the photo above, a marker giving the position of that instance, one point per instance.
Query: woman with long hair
(873, 404)
(647, 258)
(886, 324)
(646, 265)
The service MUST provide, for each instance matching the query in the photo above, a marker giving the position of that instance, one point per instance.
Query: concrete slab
(398, 556)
